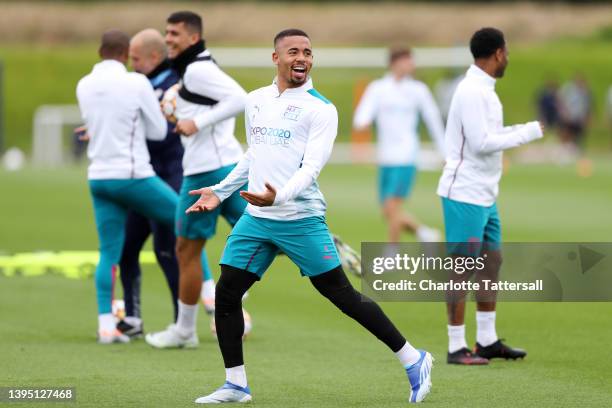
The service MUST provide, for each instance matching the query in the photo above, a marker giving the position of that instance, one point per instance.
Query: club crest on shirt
(292, 113)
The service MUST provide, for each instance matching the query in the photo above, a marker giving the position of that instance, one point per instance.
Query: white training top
(290, 136)
(214, 145)
(395, 107)
(119, 109)
(475, 138)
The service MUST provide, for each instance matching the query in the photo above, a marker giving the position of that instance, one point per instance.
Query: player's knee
(164, 249)
(226, 299)
(232, 285)
(494, 262)
(164, 253)
(497, 258)
(335, 286)
(129, 258)
(180, 246)
(187, 250)
(111, 254)
(388, 211)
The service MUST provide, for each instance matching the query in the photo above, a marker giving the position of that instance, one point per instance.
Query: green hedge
(48, 75)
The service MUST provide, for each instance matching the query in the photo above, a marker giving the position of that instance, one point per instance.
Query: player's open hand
(208, 201)
(264, 199)
(81, 133)
(186, 127)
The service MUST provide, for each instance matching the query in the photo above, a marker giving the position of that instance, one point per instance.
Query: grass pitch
(302, 352)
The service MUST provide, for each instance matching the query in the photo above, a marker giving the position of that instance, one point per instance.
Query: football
(168, 103)
(118, 307)
(350, 259)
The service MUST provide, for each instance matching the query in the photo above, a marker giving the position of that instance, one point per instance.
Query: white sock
(408, 355)
(485, 328)
(106, 322)
(236, 375)
(133, 320)
(208, 289)
(186, 321)
(456, 338)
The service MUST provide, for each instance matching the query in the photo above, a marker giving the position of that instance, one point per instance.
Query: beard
(501, 70)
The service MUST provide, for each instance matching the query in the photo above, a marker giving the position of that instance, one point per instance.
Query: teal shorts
(395, 181)
(470, 228)
(204, 225)
(255, 241)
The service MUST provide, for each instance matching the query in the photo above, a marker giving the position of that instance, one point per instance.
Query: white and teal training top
(290, 137)
(396, 106)
(214, 145)
(475, 139)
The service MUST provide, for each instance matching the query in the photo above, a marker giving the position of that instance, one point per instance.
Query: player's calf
(335, 286)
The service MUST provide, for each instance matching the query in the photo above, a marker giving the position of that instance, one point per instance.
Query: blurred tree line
(552, 2)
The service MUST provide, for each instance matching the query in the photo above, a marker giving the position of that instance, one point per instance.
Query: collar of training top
(390, 77)
(109, 64)
(480, 75)
(302, 88)
(187, 57)
(165, 64)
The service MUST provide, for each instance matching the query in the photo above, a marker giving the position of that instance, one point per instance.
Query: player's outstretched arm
(366, 109)
(81, 133)
(237, 178)
(481, 139)
(208, 200)
(211, 197)
(433, 119)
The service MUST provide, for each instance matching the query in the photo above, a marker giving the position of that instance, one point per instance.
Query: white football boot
(227, 393)
(171, 338)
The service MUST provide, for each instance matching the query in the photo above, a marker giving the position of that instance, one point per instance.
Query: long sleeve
(79, 96)
(483, 140)
(235, 179)
(433, 119)
(366, 109)
(318, 150)
(156, 126)
(207, 79)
